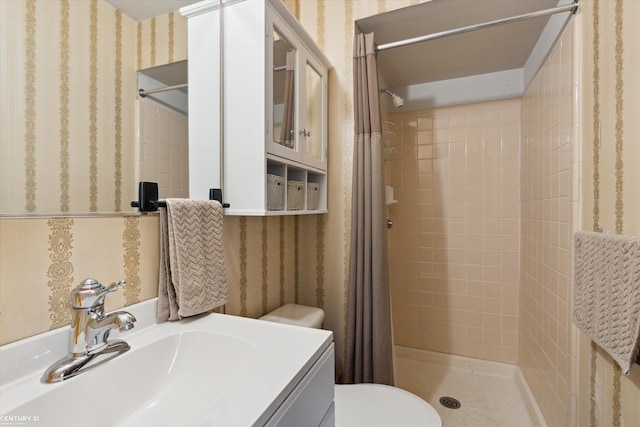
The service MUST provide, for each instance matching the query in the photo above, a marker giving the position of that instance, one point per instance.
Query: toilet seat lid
(376, 405)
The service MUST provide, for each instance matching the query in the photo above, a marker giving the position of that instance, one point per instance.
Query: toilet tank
(296, 314)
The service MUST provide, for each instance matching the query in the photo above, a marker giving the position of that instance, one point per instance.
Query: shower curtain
(368, 354)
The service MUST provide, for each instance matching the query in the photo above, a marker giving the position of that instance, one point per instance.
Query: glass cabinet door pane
(313, 136)
(284, 99)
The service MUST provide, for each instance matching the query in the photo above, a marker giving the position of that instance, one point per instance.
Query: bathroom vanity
(209, 370)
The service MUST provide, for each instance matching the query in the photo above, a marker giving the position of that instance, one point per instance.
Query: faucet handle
(90, 293)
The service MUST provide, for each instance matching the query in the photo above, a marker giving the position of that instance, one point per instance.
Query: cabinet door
(282, 91)
(313, 122)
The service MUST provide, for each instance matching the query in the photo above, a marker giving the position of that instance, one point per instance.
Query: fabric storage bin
(295, 195)
(313, 195)
(275, 192)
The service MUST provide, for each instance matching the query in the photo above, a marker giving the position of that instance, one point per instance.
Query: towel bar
(148, 197)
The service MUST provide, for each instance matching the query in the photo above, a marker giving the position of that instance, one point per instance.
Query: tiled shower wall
(549, 163)
(164, 149)
(454, 246)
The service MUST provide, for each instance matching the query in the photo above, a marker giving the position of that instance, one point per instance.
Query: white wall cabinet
(274, 108)
(295, 95)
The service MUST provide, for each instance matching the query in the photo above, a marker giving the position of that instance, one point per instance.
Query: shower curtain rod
(144, 93)
(573, 8)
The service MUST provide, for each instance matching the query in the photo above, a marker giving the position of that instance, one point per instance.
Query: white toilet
(363, 405)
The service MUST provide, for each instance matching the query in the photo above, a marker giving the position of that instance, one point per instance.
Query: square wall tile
(464, 183)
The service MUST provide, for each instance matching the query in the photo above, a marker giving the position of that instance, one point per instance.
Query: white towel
(193, 277)
(606, 295)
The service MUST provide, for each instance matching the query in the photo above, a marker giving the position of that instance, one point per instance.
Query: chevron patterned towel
(606, 294)
(193, 277)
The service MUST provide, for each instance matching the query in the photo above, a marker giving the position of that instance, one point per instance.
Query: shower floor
(491, 394)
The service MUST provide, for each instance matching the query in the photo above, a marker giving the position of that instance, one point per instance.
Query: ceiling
(139, 10)
(433, 73)
(502, 47)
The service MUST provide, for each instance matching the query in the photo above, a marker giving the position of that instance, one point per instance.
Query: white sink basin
(212, 370)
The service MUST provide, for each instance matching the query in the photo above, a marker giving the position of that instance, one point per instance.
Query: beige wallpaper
(454, 247)
(42, 259)
(610, 131)
(69, 97)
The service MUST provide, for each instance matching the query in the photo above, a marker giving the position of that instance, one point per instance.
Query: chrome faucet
(90, 329)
